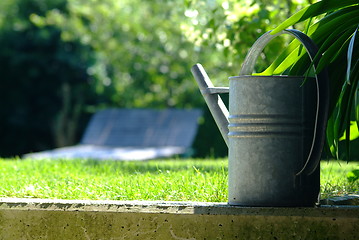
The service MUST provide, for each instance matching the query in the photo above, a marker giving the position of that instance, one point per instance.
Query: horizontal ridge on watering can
(274, 129)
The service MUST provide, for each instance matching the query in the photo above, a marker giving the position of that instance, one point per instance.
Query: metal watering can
(275, 130)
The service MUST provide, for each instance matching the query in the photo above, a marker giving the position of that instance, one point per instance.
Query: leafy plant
(333, 26)
(352, 176)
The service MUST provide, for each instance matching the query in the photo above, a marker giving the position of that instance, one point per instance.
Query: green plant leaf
(313, 10)
(332, 43)
(354, 88)
(340, 21)
(340, 27)
(341, 114)
(282, 58)
(352, 176)
(347, 140)
(336, 138)
(338, 116)
(285, 60)
(336, 83)
(301, 66)
(289, 60)
(355, 72)
(322, 33)
(331, 54)
(339, 17)
(354, 132)
(330, 137)
(350, 54)
(345, 103)
(324, 27)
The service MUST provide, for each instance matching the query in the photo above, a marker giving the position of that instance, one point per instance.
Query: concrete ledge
(74, 219)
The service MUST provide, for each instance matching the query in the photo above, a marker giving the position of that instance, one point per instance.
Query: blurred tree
(43, 80)
(143, 56)
(234, 25)
(77, 56)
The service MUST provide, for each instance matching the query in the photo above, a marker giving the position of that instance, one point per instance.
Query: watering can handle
(322, 86)
(214, 102)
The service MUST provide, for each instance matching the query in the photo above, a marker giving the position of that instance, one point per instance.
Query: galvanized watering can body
(274, 129)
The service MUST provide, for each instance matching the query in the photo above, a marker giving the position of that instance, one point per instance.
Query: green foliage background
(43, 80)
(62, 60)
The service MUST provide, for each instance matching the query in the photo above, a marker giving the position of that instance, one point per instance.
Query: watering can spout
(214, 102)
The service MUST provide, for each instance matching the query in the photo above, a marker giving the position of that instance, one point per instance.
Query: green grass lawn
(167, 180)
(335, 178)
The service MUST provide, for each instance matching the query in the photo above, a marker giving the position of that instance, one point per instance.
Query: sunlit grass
(168, 180)
(334, 178)
(201, 180)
